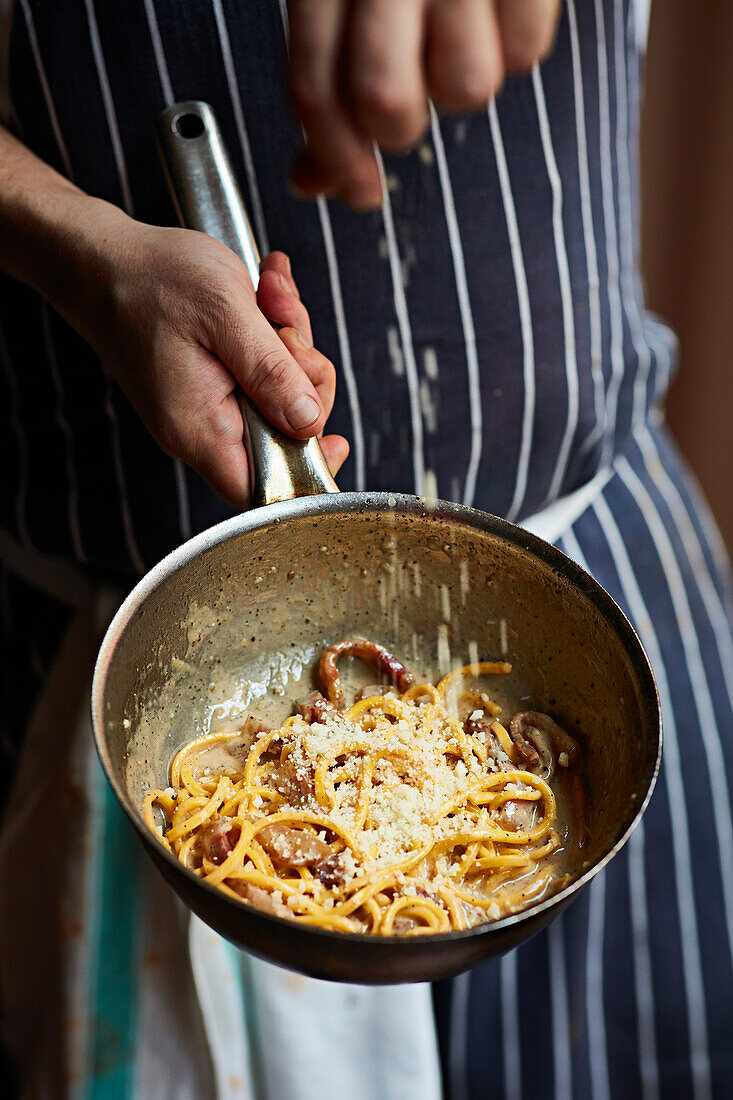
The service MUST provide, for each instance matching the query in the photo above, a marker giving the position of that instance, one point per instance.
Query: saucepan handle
(207, 198)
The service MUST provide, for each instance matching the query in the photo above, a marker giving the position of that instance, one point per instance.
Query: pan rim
(404, 503)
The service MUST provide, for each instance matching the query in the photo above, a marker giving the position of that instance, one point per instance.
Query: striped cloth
(493, 348)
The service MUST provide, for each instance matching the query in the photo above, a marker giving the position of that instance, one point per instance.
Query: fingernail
(303, 411)
(284, 283)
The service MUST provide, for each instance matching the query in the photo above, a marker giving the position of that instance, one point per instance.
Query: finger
(312, 177)
(527, 29)
(386, 89)
(211, 443)
(463, 58)
(335, 451)
(280, 262)
(276, 300)
(260, 361)
(340, 161)
(319, 370)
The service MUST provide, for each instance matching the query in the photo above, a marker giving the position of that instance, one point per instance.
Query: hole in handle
(188, 126)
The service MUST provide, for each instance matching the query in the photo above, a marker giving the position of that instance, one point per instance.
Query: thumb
(269, 374)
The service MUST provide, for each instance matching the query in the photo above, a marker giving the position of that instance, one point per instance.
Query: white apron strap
(554, 521)
(320, 1039)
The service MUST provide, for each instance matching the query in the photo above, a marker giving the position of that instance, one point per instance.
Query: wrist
(54, 237)
(83, 248)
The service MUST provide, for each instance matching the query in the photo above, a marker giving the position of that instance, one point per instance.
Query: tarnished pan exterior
(223, 608)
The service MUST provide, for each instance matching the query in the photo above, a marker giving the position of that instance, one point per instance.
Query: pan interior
(240, 627)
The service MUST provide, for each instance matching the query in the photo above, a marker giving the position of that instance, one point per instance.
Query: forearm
(52, 234)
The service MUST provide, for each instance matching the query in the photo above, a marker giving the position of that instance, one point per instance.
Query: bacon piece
(296, 782)
(218, 839)
(524, 747)
(402, 924)
(481, 728)
(294, 847)
(254, 726)
(331, 871)
(316, 708)
(238, 748)
(516, 815)
(523, 728)
(260, 899)
(545, 752)
(376, 655)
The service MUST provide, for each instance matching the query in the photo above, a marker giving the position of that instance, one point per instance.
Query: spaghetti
(394, 816)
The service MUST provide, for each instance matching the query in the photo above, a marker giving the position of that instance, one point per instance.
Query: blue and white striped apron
(492, 345)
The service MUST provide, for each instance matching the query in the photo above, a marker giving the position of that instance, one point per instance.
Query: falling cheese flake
(445, 660)
(464, 580)
(430, 364)
(427, 406)
(445, 602)
(430, 487)
(395, 351)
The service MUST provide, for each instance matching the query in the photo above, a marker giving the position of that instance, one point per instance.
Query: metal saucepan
(246, 607)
